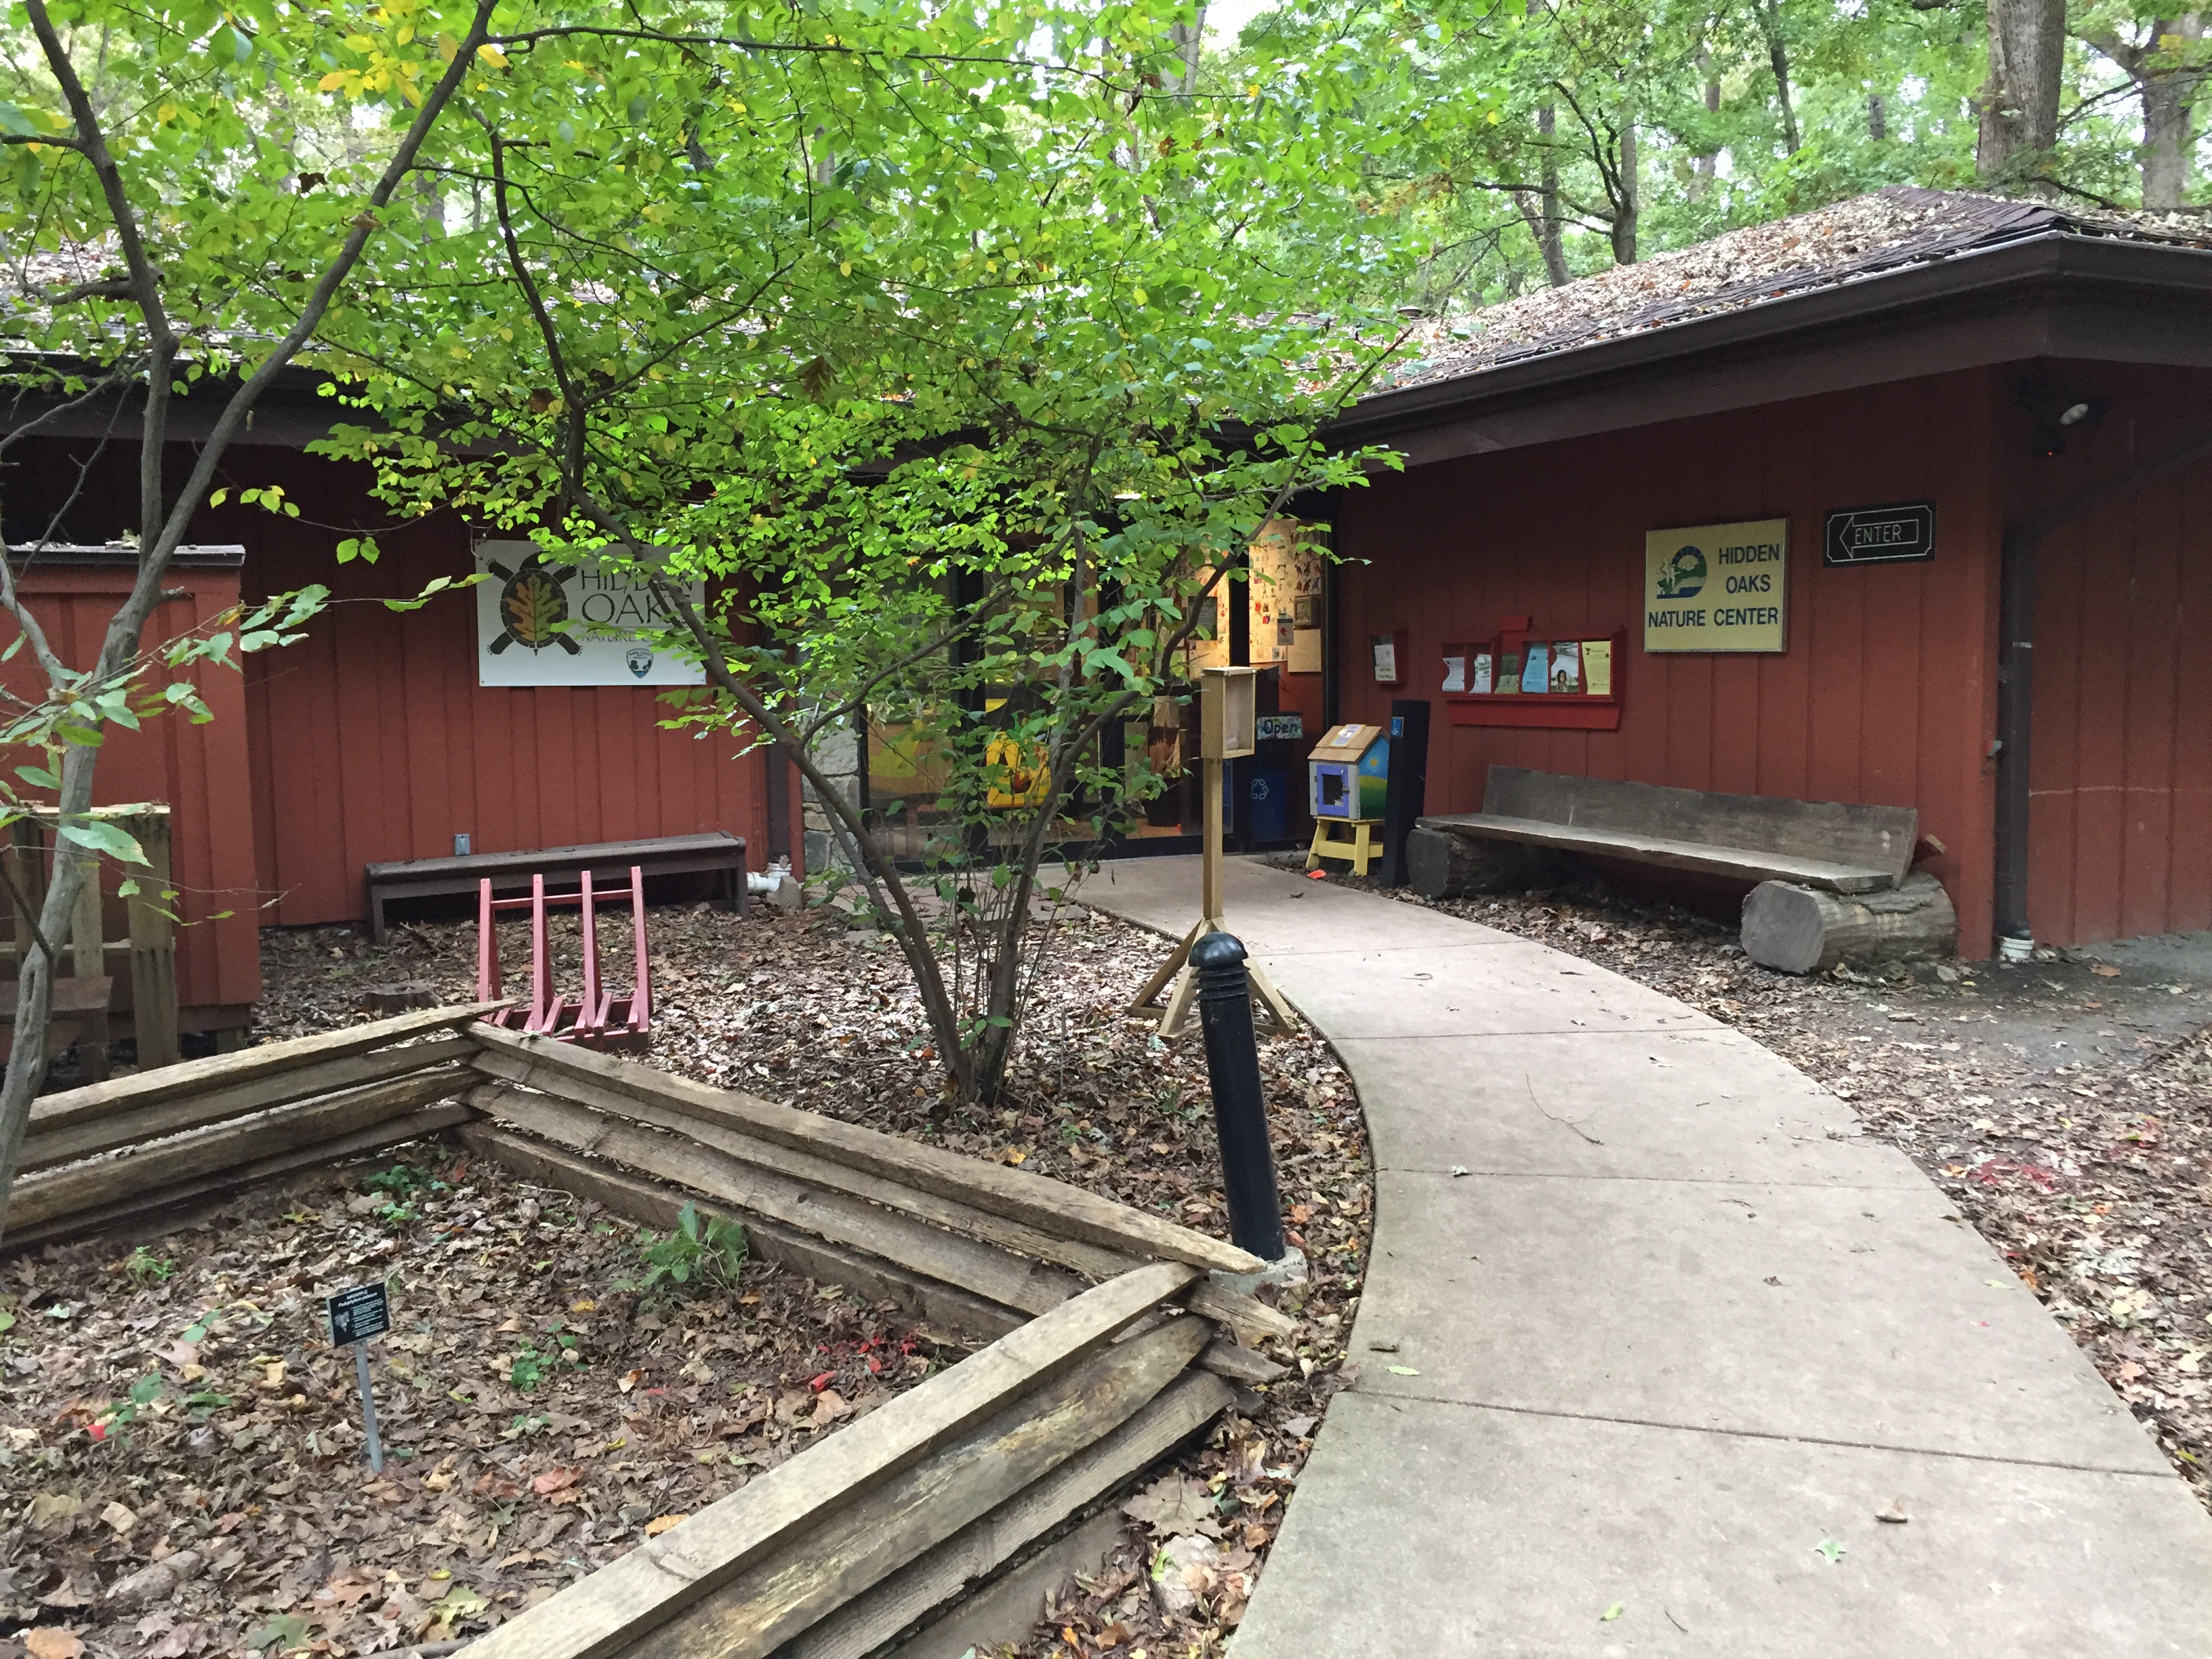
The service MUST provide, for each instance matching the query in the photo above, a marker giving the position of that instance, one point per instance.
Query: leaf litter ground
(550, 1420)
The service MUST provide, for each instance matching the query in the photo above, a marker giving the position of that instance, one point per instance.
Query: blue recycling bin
(1270, 804)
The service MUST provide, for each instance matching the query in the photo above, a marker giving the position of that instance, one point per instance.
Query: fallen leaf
(661, 1523)
(54, 1644)
(1173, 1504)
(1402, 1371)
(1894, 1514)
(2105, 970)
(1613, 1612)
(1830, 1548)
(554, 1481)
(630, 1380)
(121, 1519)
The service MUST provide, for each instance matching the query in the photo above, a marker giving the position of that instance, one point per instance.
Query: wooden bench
(717, 853)
(1810, 860)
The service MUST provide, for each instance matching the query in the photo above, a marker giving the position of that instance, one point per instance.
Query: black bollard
(1240, 1115)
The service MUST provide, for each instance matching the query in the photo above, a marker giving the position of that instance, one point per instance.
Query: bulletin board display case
(1521, 676)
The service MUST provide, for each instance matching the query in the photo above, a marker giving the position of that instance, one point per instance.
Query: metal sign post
(357, 1316)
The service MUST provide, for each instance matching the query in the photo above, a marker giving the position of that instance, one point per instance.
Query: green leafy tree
(185, 220)
(959, 352)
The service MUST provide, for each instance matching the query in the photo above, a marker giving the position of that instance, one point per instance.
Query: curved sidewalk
(1648, 1324)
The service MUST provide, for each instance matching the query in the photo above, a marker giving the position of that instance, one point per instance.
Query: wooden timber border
(1110, 1339)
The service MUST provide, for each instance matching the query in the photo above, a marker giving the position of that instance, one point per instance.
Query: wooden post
(154, 944)
(1209, 904)
(1227, 730)
(88, 952)
(27, 865)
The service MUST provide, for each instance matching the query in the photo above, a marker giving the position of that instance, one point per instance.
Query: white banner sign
(540, 623)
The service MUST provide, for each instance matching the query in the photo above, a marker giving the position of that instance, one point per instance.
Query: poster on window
(1283, 596)
(543, 623)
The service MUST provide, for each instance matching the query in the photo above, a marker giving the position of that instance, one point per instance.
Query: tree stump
(1444, 864)
(395, 998)
(1801, 930)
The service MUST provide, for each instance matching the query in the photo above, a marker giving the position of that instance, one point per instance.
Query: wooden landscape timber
(64, 1139)
(656, 1204)
(193, 1078)
(613, 1610)
(1068, 1211)
(704, 1122)
(90, 1190)
(940, 1575)
(1104, 1327)
(897, 1520)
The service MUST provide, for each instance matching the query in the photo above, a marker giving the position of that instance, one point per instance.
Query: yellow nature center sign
(1716, 586)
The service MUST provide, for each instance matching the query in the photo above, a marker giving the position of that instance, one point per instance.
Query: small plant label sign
(358, 1313)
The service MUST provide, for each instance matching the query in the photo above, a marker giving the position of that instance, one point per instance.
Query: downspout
(2017, 602)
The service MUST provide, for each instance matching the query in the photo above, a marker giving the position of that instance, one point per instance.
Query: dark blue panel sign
(1880, 535)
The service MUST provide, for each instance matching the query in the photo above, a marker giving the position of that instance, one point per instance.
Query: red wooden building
(2044, 378)
(2004, 362)
(371, 739)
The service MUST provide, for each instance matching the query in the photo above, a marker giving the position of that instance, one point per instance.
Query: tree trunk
(2169, 89)
(34, 993)
(1189, 38)
(2020, 102)
(1777, 54)
(1627, 200)
(1877, 119)
(1548, 238)
(1703, 168)
(1444, 864)
(1800, 930)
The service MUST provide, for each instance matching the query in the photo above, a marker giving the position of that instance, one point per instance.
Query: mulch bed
(653, 1416)
(2065, 1105)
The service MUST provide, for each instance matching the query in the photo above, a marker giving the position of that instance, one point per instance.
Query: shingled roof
(1852, 241)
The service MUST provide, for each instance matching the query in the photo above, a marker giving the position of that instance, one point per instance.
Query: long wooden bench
(1831, 879)
(716, 853)
(1837, 846)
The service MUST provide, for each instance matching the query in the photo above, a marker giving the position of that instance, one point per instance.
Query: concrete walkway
(1675, 1328)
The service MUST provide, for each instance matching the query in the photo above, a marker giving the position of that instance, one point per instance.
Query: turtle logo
(532, 605)
(1683, 577)
(639, 661)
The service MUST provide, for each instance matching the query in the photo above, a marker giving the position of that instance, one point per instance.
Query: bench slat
(716, 852)
(1841, 835)
(718, 841)
(1744, 864)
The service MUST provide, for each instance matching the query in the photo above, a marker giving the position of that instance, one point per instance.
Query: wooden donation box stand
(1346, 776)
(1228, 729)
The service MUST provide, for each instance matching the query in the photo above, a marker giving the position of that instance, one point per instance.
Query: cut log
(1801, 930)
(658, 1204)
(198, 1077)
(1444, 864)
(49, 1143)
(864, 1624)
(613, 1610)
(752, 1615)
(1049, 1206)
(996, 1274)
(83, 1189)
(725, 1133)
(176, 1204)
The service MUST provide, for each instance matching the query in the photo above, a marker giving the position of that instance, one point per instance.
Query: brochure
(1535, 672)
(1567, 667)
(1597, 667)
(1479, 679)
